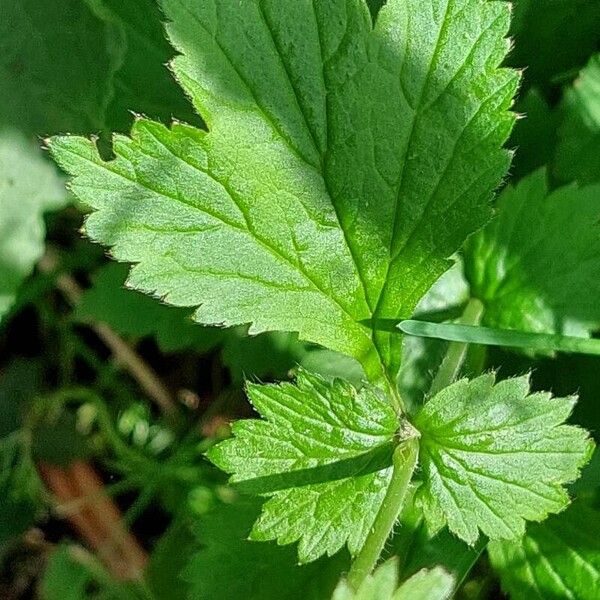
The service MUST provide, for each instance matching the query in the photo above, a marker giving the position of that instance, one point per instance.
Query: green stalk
(457, 351)
(404, 463)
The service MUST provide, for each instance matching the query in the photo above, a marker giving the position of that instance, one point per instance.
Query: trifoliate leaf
(56, 66)
(494, 456)
(322, 454)
(230, 567)
(536, 267)
(577, 155)
(434, 584)
(343, 164)
(556, 560)
(29, 186)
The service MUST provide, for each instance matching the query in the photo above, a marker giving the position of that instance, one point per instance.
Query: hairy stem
(405, 461)
(455, 356)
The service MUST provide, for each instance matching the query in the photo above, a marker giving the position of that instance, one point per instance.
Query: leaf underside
(343, 164)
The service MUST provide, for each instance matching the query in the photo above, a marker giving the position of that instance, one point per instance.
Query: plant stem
(405, 461)
(455, 356)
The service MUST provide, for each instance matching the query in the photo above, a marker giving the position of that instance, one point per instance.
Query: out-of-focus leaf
(534, 135)
(556, 560)
(29, 186)
(20, 488)
(230, 567)
(536, 267)
(73, 574)
(266, 356)
(578, 152)
(169, 558)
(131, 313)
(142, 82)
(553, 37)
(56, 65)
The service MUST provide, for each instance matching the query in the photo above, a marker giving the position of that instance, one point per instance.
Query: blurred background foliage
(108, 398)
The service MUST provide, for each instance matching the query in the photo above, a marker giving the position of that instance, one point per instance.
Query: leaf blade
(313, 425)
(280, 228)
(494, 456)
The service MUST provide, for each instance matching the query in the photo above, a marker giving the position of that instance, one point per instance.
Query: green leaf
(321, 447)
(142, 82)
(556, 560)
(434, 584)
(29, 186)
(270, 218)
(74, 574)
(56, 65)
(534, 135)
(270, 355)
(130, 313)
(553, 38)
(494, 456)
(577, 156)
(170, 556)
(536, 267)
(65, 578)
(230, 567)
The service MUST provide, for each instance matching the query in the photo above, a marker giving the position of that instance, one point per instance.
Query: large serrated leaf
(343, 164)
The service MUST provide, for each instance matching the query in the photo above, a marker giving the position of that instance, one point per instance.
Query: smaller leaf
(434, 584)
(323, 455)
(493, 456)
(557, 559)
